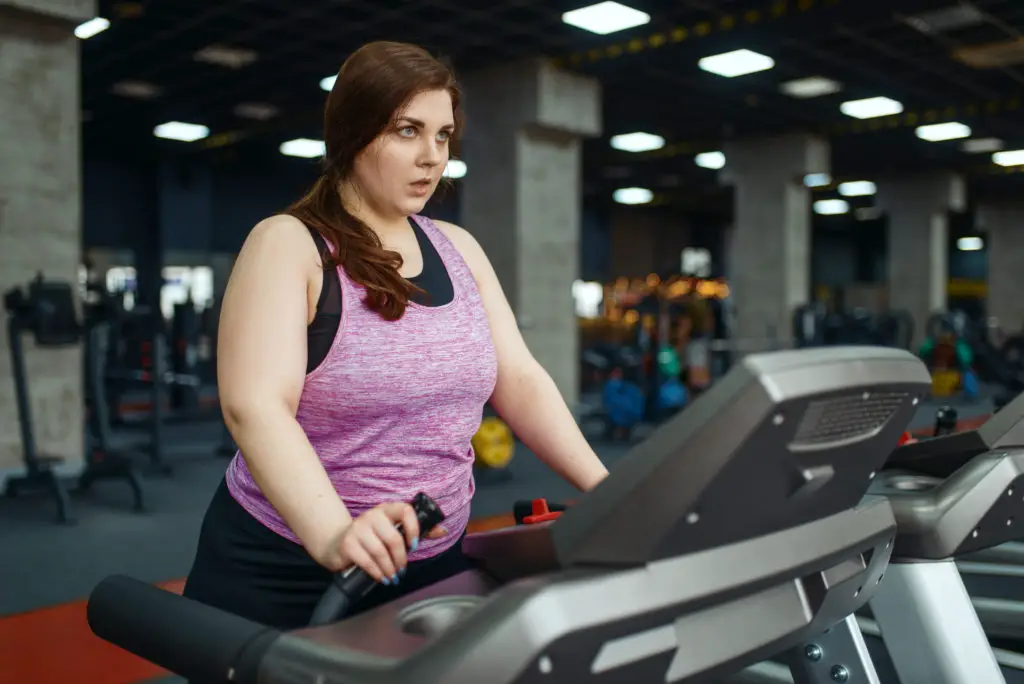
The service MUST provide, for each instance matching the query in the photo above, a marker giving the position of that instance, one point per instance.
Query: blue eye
(407, 131)
(444, 135)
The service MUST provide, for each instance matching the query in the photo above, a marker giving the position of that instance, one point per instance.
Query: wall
(833, 257)
(40, 220)
(646, 239)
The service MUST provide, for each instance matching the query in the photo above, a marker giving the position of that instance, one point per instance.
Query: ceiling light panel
(257, 111)
(976, 145)
(1009, 158)
(710, 160)
(637, 142)
(304, 148)
(831, 207)
(606, 17)
(137, 90)
(857, 188)
(225, 56)
(633, 196)
(951, 130)
(90, 28)
(736, 63)
(181, 130)
(871, 107)
(812, 86)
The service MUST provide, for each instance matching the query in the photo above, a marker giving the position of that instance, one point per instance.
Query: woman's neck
(381, 222)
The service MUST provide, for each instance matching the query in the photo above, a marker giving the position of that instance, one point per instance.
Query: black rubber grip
(353, 584)
(190, 639)
(946, 419)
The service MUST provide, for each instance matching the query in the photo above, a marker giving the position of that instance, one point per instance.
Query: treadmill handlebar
(352, 584)
(188, 638)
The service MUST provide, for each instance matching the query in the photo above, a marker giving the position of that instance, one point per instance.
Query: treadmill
(736, 531)
(953, 495)
(994, 576)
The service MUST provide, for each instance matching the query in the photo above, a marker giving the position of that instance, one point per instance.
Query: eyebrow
(420, 124)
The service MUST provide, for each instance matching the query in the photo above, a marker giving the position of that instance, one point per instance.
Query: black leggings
(244, 568)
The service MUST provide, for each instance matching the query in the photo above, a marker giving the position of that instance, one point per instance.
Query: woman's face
(398, 172)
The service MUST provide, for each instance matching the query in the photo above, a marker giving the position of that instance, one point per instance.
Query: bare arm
(261, 367)
(525, 395)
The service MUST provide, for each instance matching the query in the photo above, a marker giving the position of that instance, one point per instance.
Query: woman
(358, 345)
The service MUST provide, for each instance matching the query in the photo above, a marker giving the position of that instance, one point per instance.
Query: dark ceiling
(923, 53)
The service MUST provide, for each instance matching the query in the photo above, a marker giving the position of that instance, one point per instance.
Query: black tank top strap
(321, 332)
(329, 301)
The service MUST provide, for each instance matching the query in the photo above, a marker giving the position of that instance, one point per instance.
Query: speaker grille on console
(844, 419)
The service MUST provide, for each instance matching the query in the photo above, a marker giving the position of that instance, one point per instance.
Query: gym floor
(48, 569)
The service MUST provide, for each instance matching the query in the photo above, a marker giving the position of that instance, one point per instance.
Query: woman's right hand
(372, 543)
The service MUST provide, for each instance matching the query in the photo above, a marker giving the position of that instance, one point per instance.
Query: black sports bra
(433, 280)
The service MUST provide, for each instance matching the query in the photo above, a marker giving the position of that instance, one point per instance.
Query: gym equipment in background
(656, 575)
(946, 353)
(149, 333)
(108, 455)
(494, 445)
(624, 404)
(814, 326)
(46, 310)
(184, 358)
(672, 397)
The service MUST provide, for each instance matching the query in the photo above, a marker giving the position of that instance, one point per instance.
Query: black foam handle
(351, 585)
(190, 639)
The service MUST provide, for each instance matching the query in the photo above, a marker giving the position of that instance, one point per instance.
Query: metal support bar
(930, 628)
(839, 655)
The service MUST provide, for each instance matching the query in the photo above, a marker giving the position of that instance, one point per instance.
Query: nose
(432, 154)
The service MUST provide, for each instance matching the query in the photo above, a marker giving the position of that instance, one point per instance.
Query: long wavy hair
(373, 86)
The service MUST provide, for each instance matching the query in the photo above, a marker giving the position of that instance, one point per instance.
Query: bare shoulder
(464, 241)
(452, 231)
(280, 236)
(280, 230)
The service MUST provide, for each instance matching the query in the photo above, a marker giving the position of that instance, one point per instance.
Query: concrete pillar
(40, 214)
(1004, 225)
(769, 263)
(918, 209)
(522, 196)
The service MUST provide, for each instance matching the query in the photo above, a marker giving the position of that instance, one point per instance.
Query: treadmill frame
(930, 627)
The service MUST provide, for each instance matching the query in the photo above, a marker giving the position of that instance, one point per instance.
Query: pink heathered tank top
(392, 409)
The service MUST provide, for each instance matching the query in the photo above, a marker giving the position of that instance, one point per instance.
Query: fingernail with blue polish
(415, 543)
(401, 573)
(385, 581)
(394, 579)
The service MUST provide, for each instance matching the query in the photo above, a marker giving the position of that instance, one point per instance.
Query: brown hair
(372, 87)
